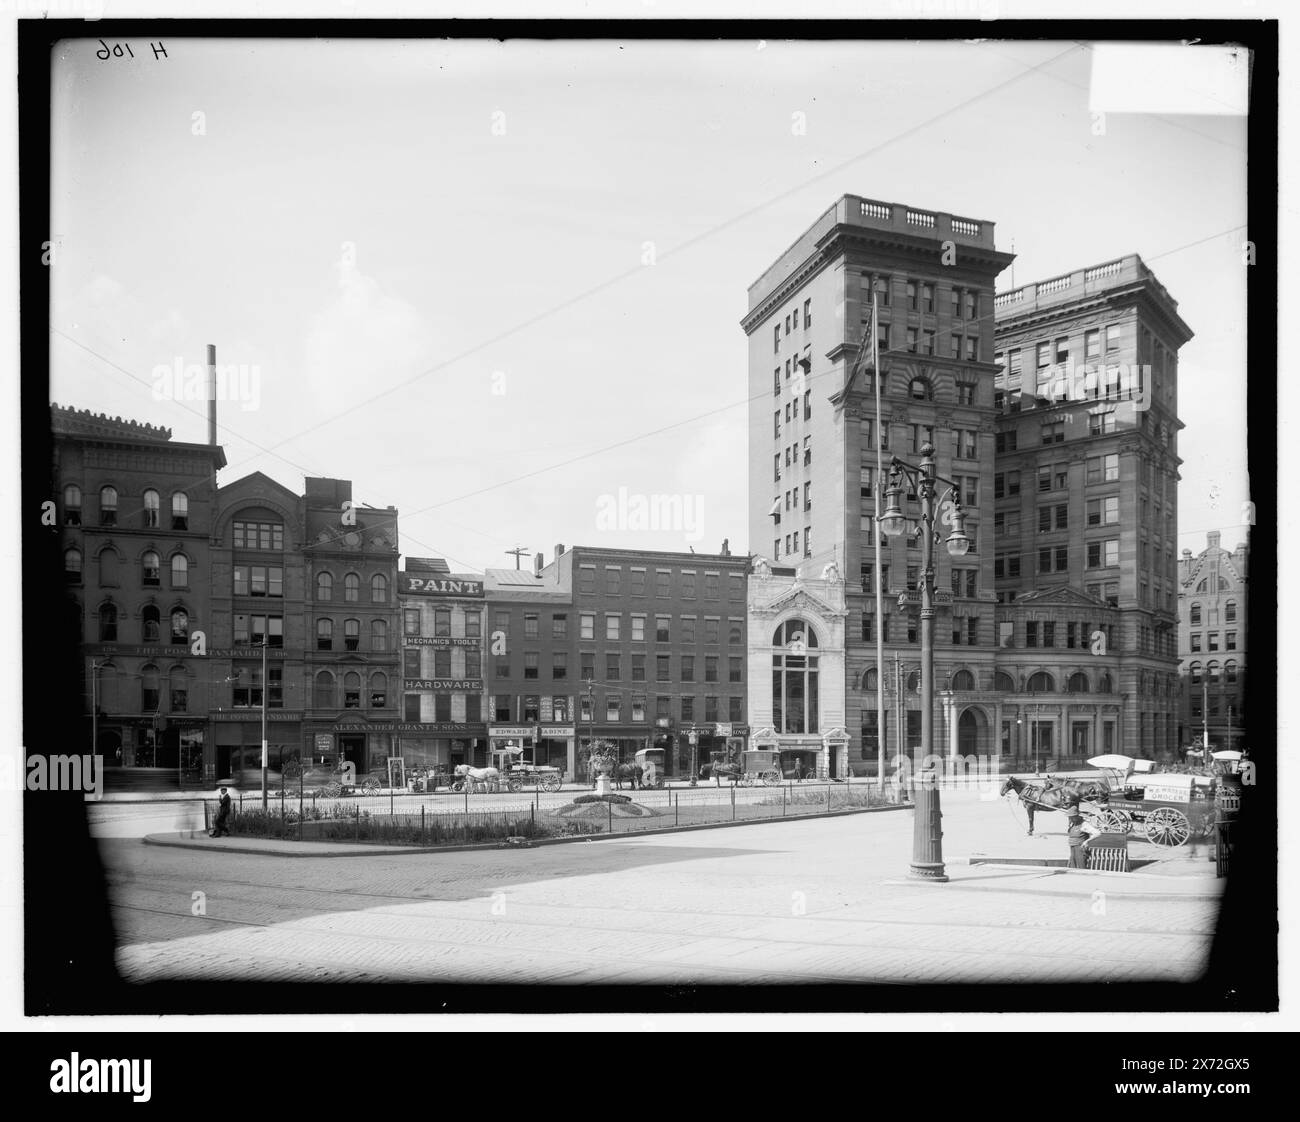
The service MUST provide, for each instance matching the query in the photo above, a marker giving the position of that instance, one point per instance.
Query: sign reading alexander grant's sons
(439, 586)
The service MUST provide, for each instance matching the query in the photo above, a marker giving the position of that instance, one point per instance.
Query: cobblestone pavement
(824, 900)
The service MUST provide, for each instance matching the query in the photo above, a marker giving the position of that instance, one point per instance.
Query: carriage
(329, 782)
(654, 770)
(518, 774)
(1169, 808)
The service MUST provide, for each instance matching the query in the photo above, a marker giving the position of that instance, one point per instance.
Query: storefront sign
(445, 685)
(558, 732)
(273, 716)
(722, 729)
(510, 730)
(324, 745)
(458, 728)
(439, 641)
(438, 586)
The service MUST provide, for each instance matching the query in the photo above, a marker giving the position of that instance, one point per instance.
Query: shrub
(610, 798)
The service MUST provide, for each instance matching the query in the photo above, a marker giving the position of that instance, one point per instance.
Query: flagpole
(875, 535)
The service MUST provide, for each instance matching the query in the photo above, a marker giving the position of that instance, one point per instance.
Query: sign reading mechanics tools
(439, 641)
(445, 685)
(438, 586)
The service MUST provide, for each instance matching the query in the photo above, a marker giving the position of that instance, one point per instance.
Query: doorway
(352, 749)
(1080, 738)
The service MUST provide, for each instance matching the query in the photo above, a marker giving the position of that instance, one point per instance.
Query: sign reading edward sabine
(439, 586)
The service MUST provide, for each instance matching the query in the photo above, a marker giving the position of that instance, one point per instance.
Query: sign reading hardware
(439, 586)
(445, 685)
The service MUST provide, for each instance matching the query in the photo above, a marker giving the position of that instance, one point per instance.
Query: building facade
(1212, 641)
(135, 512)
(1052, 410)
(258, 591)
(443, 722)
(351, 628)
(1085, 502)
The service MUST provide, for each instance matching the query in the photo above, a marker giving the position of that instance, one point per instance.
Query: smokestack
(559, 551)
(212, 394)
(539, 563)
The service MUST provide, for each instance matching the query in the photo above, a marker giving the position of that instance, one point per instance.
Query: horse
(631, 772)
(489, 778)
(1042, 796)
(731, 770)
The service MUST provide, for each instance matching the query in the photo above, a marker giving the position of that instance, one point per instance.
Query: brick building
(135, 513)
(442, 685)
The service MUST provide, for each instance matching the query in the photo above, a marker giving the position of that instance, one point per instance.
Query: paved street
(822, 900)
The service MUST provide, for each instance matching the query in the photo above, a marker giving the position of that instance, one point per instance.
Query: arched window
(351, 690)
(152, 566)
(180, 571)
(1077, 683)
(1194, 616)
(869, 680)
(1230, 611)
(379, 589)
(180, 626)
(180, 511)
(1230, 671)
(963, 680)
(351, 634)
(72, 565)
(378, 635)
(150, 624)
(324, 634)
(108, 506)
(1203, 585)
(178, 690)
(108, 567)
(1004, 682)
(794, 631)
(323, 694)
(378, 690)
(351, 588)
(108, 623)
(72, 505)
(794, 678)
(1041, 682)
(325, 586)
(150, 509)
(1195, 670)
(1212, 671)
(1104, 683)
(918, 389)
(149, 689)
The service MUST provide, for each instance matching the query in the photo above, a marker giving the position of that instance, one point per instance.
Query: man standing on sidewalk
(1078, 839)
(221, 828)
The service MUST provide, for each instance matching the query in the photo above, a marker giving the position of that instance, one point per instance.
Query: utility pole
(265, 636)
(519, 551)
(1205, 713)
(94, 707)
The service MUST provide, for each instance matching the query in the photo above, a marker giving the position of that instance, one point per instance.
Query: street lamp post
(927, 832)
(264, 761)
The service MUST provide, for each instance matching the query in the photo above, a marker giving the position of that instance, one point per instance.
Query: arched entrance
(972, 732)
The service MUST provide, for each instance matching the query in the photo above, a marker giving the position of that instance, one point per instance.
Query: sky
(499, 285)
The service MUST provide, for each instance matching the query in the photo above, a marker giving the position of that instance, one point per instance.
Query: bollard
(532, 820)
(611, 816)
(423, 839)
(783, 794)
(356, 824)
(733, 802)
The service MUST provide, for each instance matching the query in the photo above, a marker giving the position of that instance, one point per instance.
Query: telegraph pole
(519, 551)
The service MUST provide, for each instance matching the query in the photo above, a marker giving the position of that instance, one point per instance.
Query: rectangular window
(688, 668)
(612, 626)
(560, 625)
(411, 621)
(663, 583)
(587, 662)
(710, 709)
(613, 581)
(559, 664)
(662, 668)
(911, 295)
(587, 579)
(638, 628)
(530, 664)
(612, 671)
(1099, 424)
(710, 668)
(1091, 345)
(531, 628)
(587, 625)
(442, 662)
(1053, 433)
(638, 668)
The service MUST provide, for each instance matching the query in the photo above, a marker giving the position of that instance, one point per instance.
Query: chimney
(539, 562)
(559, 551)
(212, 394)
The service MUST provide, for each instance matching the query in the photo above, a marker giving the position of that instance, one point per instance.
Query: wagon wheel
(371, 785)
(1113, 821)
(515, 783)
(552, 783)
(291, 770)
(1167, 826)
(331, 790)
(772, 778)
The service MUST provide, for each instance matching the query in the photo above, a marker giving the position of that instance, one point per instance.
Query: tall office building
(1085, 513)
(1068, 484)
(813, 464)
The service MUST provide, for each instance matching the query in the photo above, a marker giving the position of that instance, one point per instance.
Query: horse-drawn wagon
(1168, 807)
(509, 763)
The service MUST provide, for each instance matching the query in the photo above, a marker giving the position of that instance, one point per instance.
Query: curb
(290, 848)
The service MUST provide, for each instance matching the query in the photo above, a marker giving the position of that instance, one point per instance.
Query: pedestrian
(1078, 836)
(221, 828)
(798, 770)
